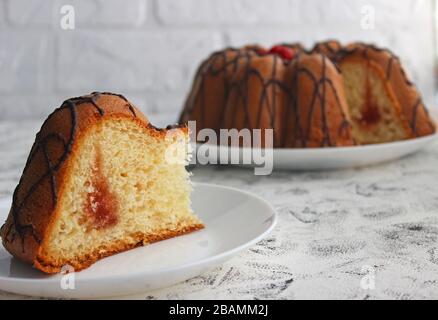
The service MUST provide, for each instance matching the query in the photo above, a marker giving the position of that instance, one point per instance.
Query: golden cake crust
(34, 207)
(44, 264)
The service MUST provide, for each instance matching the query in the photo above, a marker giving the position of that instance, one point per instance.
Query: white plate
(234, 220)
(327, 158)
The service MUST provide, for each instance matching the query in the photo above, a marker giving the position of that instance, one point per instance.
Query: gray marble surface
(369, 233)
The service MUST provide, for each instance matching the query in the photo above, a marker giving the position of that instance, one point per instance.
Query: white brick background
(149, 49)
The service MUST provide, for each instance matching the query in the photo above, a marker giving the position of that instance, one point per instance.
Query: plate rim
(199, 263)
(384, 145)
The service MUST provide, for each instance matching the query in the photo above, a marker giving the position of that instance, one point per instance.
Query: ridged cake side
(253, 88)
(318, 115)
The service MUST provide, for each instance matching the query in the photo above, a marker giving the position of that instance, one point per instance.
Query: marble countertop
(368, 233)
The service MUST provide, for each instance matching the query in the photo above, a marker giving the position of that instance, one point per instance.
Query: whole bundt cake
(329, 96)
(98, 181)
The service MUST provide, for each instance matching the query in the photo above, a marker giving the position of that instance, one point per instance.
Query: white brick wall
(89, 13)
(149, 49)
(225, 12)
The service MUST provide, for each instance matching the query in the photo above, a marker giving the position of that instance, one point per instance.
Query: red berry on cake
(283, 51)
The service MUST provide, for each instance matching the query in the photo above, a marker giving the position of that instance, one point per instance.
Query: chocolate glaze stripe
(326, 139)
(389, 68)
(274, 96)
(414, 115)
(128, 104)
(413, 123)
(51, 174)
(246, 94)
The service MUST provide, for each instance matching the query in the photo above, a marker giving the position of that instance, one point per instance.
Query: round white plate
(234, 220)
(320, 158)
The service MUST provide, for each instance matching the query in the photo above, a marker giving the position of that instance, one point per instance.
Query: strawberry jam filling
(370, 111)
(101, 205)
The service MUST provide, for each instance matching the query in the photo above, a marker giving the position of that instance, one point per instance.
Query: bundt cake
(329, 96)
(99, 179)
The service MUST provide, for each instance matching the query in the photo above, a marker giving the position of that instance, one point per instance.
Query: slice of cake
(99, 179)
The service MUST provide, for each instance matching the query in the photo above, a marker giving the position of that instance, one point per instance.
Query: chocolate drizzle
(41, 146)
(320, 93)
(128, 104)
(227, 64)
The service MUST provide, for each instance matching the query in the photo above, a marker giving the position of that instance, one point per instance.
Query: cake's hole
(152, 203)
(139, 186)
(149, 184)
